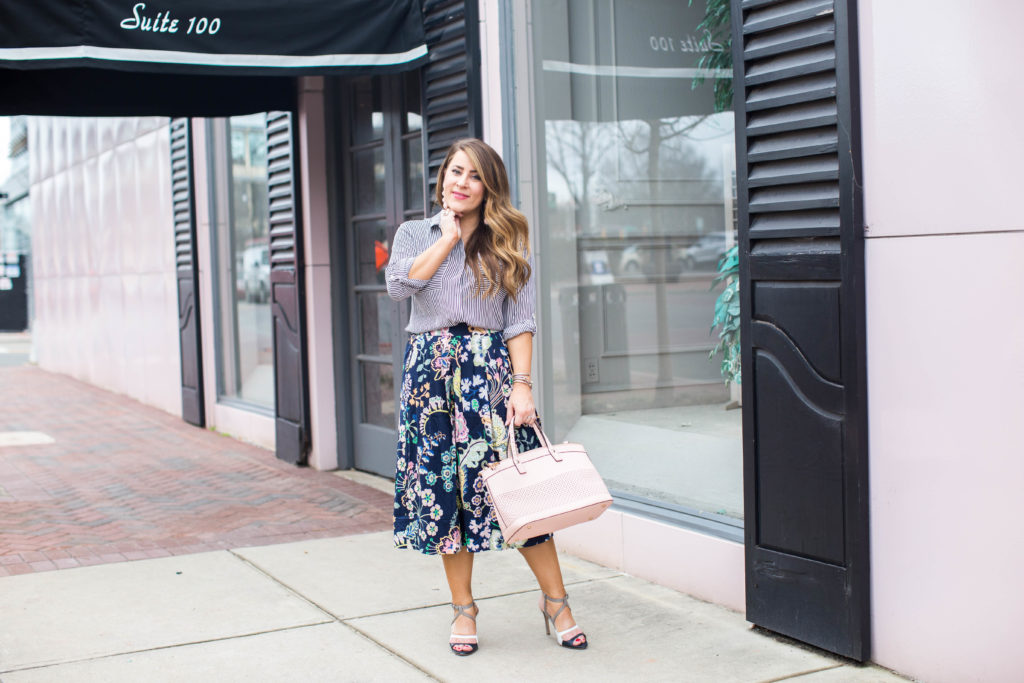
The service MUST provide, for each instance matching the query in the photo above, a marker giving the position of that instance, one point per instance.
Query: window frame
(520, 126)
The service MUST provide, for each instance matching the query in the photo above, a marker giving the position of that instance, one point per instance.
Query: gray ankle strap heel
(465, 640)
(549, 623)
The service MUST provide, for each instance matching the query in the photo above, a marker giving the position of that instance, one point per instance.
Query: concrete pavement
(355, 609)
(15, 348)
(134, 547)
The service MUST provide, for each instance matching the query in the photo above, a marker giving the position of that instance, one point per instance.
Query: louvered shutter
(183, 204)
(286, 297)
(451, 80)
(803, 332)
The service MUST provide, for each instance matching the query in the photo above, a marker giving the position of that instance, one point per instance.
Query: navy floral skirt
(452, 424)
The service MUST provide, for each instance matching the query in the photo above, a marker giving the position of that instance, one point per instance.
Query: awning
(192, 57)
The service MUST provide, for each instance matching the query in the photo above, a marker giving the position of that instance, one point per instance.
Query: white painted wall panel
(942, 92)
(946, 382)
(490, 74)
(940, 88)
(103, 254)
(320, 351)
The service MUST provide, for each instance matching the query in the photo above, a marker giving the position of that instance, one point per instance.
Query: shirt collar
(435, 220)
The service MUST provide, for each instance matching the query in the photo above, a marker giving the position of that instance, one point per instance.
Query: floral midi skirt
(454, 387)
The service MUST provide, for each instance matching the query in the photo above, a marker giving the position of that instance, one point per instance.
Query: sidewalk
(100, 478)
(275, 573)
(14, 348)
(354, 609)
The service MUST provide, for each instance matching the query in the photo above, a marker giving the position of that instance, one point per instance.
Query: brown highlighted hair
(500, 242)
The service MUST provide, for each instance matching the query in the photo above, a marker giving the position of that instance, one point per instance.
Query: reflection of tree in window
(637, 161)
(237, 146)
(575, 150)
(613, 165)
(249, 175)
(244, 325)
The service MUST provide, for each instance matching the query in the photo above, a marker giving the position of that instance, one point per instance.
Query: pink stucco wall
(106, 308)
(941, 94)
(320, 308)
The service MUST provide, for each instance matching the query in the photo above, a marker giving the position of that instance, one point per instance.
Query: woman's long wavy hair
(502, 237)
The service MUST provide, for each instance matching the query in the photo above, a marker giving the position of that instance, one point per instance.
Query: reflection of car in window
(644, 260)
(594, 268)
(256, 273)
(630, 262)
(704, 253)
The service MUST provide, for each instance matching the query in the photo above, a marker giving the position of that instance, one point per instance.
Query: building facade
(841, 175)
(15, 233)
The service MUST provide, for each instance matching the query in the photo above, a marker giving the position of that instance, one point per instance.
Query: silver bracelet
(522, 379)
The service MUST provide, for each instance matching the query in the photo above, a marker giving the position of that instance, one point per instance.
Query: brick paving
(125, 481)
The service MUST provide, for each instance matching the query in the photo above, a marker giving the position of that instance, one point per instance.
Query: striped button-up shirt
(447, 299)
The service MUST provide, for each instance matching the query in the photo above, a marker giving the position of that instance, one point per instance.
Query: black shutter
(286, 297)
(184, 207)
(451, 80)
(803, 333)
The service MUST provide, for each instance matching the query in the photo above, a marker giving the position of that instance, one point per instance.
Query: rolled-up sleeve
(404, 251)
(520, 314)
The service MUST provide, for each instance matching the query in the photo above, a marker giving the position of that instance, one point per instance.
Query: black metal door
(286, 290)
(13, 292)
(803, 332)
(382, 168)
(192, 410)
(395, 134)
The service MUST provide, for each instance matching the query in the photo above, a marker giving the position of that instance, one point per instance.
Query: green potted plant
(727, 315)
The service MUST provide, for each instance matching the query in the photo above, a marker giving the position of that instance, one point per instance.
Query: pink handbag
(544, 489)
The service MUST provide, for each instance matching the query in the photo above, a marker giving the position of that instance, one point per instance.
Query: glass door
(383, 171)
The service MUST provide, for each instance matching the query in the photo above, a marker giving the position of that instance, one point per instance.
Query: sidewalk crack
(333, 617)
(789, 677)
(157, 648)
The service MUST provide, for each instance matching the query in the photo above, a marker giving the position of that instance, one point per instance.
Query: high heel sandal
(549, 623)
(460, 639)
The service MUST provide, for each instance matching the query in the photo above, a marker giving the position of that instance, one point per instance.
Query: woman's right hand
(427, 263)
(450, 228)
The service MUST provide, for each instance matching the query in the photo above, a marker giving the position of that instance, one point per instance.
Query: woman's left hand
(520, 406)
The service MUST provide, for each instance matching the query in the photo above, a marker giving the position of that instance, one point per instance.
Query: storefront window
(637, 169)
(239, 172)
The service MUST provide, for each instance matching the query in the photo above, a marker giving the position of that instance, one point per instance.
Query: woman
(466, 380)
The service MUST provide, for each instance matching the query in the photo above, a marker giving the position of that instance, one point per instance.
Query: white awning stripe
(119, 54)
(633, 71)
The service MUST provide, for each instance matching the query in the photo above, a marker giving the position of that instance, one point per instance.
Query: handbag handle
(545, 443)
